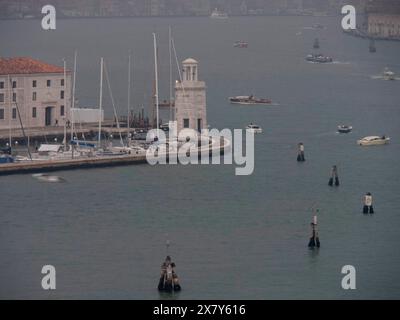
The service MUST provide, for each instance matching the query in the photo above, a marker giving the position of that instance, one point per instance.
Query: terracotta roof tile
(22, 65)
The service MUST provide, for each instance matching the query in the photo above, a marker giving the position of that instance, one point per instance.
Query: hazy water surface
(232, 237)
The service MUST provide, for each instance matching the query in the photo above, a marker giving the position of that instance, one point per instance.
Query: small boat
(316, 44)
(318, 58)
(216, 14)
(249, 100)
(388, 75)
(373, 141)
(48, 178)
(344, 129)
(240, 44)
(254, 128)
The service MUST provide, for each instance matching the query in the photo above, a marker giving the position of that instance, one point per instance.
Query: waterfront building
(384, 25)
(37, 92)
(190, 98)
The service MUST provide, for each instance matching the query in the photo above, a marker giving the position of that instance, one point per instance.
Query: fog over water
(232, 237)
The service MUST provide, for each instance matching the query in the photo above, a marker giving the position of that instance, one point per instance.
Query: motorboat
(388, 75)
(216, 14)
(48, 178)
(344, 129)
(254, 128)
(318, 58)
(240, 44)
(373, 141)
(249, 100)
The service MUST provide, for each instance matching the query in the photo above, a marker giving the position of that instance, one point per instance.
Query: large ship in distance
(249, 100)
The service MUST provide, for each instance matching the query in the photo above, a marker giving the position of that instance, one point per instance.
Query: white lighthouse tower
(190, 99)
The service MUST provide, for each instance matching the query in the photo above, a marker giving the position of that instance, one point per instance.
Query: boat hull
(373, 143)
(344, 130)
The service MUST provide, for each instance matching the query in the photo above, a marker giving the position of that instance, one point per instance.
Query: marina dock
(41, 166)
(69, 164)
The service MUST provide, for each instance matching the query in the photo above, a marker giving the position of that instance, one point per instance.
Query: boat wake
(48, 178)
(341, 62)
(380, 77)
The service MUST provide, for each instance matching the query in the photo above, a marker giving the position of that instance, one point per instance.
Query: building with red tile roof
(40, 91)
(25, 65)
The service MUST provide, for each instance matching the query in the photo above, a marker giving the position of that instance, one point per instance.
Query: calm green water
(231, 237)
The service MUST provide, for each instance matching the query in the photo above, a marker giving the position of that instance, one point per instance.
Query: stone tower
(190, 99)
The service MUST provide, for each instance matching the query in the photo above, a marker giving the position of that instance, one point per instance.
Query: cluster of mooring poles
(333, 181)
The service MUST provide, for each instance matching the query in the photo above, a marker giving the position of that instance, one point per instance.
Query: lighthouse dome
(190, 61)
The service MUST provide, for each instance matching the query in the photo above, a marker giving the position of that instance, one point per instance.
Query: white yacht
(216, 14)
(254, 128)
(373, 141)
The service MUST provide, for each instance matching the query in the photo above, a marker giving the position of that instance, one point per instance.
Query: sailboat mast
(10, 112)
(65, 99)
(170, 73)
(73, 99)
(156, 80)
(129, 94)
(101, 98)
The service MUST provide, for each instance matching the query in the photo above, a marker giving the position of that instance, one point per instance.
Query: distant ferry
(216, 14)
(249, 100)
(318, 58)
(240, 44)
